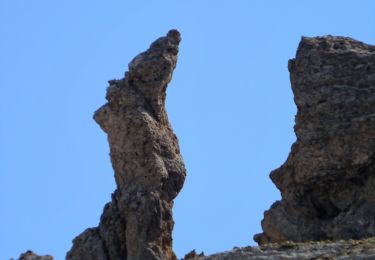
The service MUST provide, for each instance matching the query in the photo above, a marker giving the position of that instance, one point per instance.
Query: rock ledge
(351, 249)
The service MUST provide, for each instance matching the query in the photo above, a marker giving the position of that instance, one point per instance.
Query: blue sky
(230, 104)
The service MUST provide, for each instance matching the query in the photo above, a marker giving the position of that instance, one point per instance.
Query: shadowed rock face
(328, 181)
(149, 170)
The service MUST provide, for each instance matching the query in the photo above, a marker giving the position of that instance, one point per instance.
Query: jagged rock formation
(328, 181)
(149, 170)
(30, 255)
(348, 250)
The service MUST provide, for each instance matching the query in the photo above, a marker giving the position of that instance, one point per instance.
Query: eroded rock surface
(327, 250)
(328, 181)
(149, 170)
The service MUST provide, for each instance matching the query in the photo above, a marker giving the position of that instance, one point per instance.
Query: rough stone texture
(349, 250)
(30, 255)
(149, 170)
(328, 181)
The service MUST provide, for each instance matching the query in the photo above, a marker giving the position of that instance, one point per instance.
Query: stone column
(149, 170)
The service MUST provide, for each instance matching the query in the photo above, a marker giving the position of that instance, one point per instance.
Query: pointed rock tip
(174, 35)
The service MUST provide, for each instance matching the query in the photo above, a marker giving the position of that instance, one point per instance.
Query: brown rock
(328, 181)
(192, 255)
(149, 170)
(322, 250)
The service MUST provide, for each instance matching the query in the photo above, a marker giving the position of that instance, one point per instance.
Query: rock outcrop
(149, 170)
(328, 181)
(30, 255)
(328, 250)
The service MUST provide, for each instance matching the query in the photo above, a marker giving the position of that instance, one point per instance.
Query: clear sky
(230, 103)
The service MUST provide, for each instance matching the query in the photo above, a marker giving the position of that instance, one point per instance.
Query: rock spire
(149, 170)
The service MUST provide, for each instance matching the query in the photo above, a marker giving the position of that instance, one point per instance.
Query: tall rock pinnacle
(149, 170)
(328, 181)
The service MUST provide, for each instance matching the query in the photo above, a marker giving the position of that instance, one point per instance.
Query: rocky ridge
(321, 250)
(30, 255)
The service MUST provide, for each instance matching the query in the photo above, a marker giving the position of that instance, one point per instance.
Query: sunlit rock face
(327, 183)
(149, 170)
(341, 249)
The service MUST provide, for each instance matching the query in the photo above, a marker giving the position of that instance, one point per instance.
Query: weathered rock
(328, 181)
(30, 255)
(149, 170)
(349, 250)
(192, 255)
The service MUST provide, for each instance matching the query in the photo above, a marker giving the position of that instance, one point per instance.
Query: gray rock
(149, 170)
(348, 250)
(30, 255)
(328, 181)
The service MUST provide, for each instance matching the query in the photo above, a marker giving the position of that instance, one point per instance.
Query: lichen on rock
(327, 183)
(149, 170)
